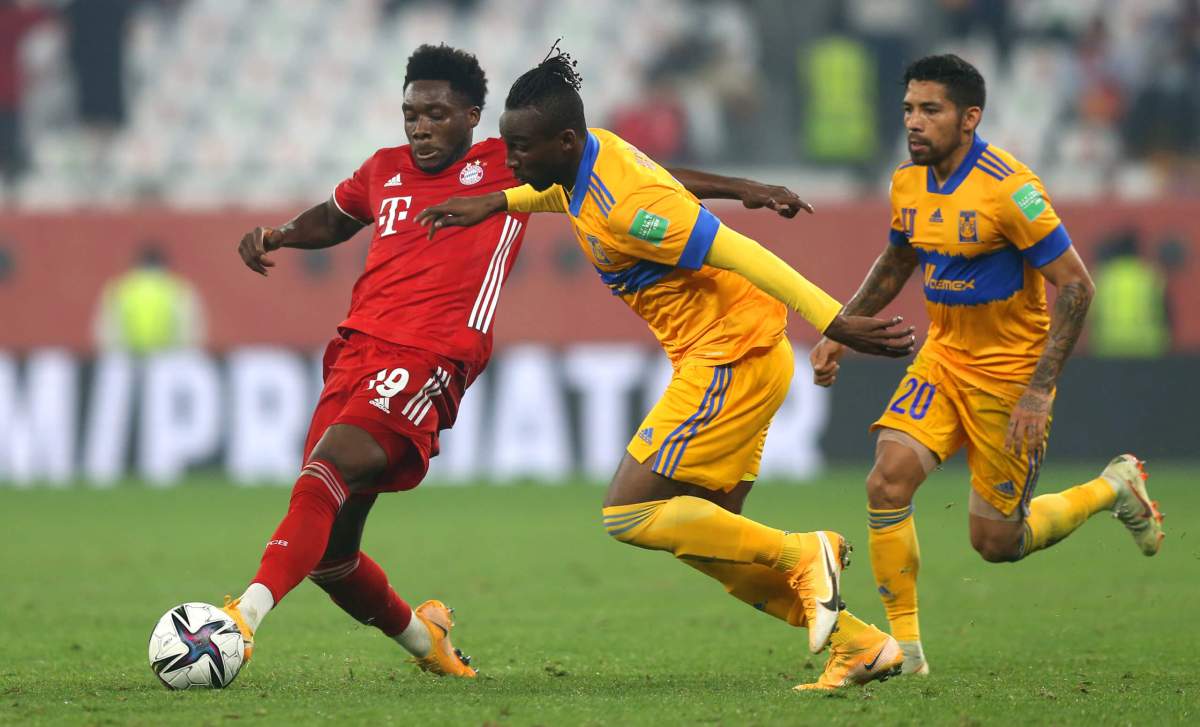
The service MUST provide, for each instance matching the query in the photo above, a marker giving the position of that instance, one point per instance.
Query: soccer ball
(196, 645)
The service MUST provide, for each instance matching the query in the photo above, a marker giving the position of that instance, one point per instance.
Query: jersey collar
(968, 163)
(590, 151)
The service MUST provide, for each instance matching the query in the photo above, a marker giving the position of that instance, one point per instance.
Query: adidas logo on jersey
(936, 216)
(393, 182)
(647, 435)
(382, 403)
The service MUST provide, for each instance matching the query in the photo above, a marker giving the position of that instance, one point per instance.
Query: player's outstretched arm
(883, 283)
(1030, 417)
(733, 251)
(752, 194)
(462, 211)
(322, 225)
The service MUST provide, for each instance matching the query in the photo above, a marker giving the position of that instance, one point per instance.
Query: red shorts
(401, 396)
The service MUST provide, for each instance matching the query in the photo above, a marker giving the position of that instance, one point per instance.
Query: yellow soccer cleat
(1133, 507)
(443, 659)
(235, 613)
(817, 583)
(872, 655)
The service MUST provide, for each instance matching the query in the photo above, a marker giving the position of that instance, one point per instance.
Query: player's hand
(873, 335)
(461, 211)
(824, 359)
(755, 195)
(1028, 422)
(256, 244)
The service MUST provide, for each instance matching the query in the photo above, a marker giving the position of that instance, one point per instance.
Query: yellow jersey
(980, 239)
(647, 237)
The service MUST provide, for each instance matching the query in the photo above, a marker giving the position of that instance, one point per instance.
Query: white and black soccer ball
(196, 645)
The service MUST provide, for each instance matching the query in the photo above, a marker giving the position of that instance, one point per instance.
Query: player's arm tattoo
(888, 275)
(1066, 323)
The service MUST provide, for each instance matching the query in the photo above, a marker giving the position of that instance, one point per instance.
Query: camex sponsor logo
(1030, 201)
(933, 283)
(649, 227)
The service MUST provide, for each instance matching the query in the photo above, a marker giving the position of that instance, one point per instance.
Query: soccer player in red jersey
(418, 333)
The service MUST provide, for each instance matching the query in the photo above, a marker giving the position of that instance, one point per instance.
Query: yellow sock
(764, 588)
(1055, 516)
(895, 561)
(848, 627)
(691, 527)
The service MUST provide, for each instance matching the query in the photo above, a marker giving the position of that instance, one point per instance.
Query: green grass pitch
(570, 628)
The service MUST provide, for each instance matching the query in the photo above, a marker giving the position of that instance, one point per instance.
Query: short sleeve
(1027, 219)
(352, 195)
(896, 235)
(663, 225)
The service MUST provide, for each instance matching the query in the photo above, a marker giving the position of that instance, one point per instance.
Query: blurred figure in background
(96, 47)
(16, 20)
(149, 309)
(1129, 316)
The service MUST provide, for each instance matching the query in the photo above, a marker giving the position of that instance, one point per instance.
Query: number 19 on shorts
(914, 399)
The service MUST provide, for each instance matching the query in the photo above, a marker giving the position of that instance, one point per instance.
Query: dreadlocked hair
(552, 88)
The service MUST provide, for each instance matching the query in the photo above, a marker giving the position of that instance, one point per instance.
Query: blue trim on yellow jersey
(960, 174)
(1049, 248)
(639, 276)
(962, 280)
(590, 151)
(994, 158)
(988, 168)
(905, 165)
(699, 242)
(600, 201)
(599, 184)
(898, 238)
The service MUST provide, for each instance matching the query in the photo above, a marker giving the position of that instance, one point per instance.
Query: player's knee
(995, 549)
(356, 455)
(890, 485)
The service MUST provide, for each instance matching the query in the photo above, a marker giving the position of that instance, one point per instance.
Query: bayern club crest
(472, 173)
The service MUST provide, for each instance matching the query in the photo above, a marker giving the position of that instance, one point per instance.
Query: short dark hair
(443, 63)
(964, 83)
(552, 87)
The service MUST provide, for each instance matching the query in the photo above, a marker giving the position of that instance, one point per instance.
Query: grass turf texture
(570, 627)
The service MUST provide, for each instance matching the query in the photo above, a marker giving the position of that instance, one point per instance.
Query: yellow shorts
(942, 411)
(709, 427)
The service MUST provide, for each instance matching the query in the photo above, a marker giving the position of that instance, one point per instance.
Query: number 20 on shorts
(915, 399)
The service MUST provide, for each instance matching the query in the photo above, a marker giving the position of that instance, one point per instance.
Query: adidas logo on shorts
(382, 404)
(647, 435)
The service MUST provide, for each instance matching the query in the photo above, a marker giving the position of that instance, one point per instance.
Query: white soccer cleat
(1133, 507)
(817, 584)
(914, 659)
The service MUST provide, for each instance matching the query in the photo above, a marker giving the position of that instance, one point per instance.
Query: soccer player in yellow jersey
(716, 302)
(980, 229)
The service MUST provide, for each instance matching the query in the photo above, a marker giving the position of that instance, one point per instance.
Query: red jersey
(439, 295)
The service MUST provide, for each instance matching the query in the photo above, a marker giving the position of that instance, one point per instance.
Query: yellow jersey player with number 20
(717, 302)
(978, 228)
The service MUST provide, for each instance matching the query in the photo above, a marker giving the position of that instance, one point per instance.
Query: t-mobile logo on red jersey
(391, 211)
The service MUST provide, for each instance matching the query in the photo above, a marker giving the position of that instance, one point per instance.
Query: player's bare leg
(901, 466)
(756, 563)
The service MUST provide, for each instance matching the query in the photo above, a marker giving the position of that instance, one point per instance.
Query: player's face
(438, 123)
(935, 124)
(536, 158)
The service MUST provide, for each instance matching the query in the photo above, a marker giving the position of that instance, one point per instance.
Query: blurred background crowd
(201, 103)
(140, 138)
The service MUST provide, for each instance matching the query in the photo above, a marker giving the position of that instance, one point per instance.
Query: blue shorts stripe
(669, 442)
(718, 399)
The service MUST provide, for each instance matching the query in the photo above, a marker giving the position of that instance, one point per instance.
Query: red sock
(300, 539)
(360, 587)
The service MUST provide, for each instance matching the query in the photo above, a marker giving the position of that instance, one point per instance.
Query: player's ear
(567, 138)
(473, 115)
(971, 118)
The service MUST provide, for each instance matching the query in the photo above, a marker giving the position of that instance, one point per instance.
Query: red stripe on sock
(300, 540)
(364, 593)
